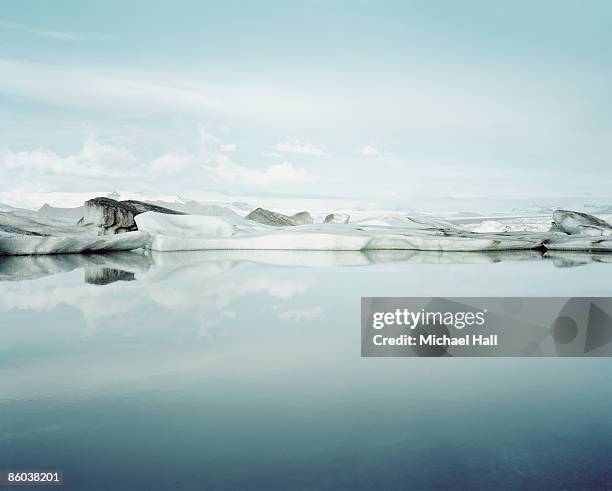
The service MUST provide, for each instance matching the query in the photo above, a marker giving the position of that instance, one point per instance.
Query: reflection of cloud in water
(173, 281)
(219, 295)
(187, 311)
(103, 269)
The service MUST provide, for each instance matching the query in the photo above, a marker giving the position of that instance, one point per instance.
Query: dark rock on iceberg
(115, 217)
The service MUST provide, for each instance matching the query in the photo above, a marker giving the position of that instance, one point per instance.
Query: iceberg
(576, 223)
(337, 218)
(267, 217)
(190, 232)
(29, 233)
(580, 243)
(115, 217)
(302, 218)
(488, 226)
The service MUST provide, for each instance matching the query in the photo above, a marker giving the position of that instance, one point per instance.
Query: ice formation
(175, 233)
(573, 232)
(337, 218)
(302, 218)
(115, 217)
(29, 233)
(576, 223)
(161, 229)
(267, 217)
(488, 226)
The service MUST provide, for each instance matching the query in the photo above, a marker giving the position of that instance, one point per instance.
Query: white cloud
(299, 147)
(369, 151)
(228, 147)
(219, 169)
(223, 170)
(104, 162)
(95, 159)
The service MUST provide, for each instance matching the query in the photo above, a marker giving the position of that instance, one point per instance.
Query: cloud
(63, 36)
(369, 151)
(170, 163)
(112, 165)
(299, 147)
(95, 159)
(228, 147)
(223, 171)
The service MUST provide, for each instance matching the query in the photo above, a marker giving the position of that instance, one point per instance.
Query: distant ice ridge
(183, 233)
(30, 233)
(571, 231)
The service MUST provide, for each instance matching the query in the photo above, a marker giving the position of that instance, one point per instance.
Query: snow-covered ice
(337, 218)
(576, 223)
(221, 229)
(29, 233)
(175, 233)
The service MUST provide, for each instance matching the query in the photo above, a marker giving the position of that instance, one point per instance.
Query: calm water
(243, 371)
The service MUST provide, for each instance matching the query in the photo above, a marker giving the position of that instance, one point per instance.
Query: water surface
(243, 371)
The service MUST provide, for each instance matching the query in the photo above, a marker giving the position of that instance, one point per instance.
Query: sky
(396, 100)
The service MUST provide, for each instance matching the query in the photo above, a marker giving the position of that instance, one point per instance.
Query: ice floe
(337, 218)
(124, 225)
(29, 233)
(576, 223)
(115, 217)
(267, 217)
(175, 233)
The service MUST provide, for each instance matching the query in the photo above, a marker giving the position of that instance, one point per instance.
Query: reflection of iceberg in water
(568, 259)
(102, 269)
(439, 257)
(17, 268)
(337, 258)
(105, 276)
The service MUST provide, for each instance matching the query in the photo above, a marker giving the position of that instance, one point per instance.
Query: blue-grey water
(243, 371)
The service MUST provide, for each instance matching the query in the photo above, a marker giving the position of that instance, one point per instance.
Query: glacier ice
(114, 217)
(267, 217)
(576, 223)
(488, 226)
(169, 230)
(176, 233)
(29, 233)
(302, 218)
(337, 218)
